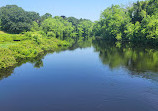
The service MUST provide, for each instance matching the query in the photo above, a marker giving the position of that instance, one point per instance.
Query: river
(83, 79)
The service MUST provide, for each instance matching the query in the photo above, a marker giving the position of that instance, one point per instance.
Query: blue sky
(89, 9)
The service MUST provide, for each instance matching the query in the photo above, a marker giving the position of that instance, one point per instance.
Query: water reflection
(37, 62)
(138, 59)
(82, 44)
(4, 73)
(78, 81)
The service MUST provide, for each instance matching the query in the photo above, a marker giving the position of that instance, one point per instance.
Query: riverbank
(17, 47)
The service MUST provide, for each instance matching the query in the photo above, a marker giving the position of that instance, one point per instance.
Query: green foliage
(15, 20)
(25, 49)
(97, 30)
(73, 20)
(29, 45)
(58, 28)
(152, 7)
(11, 38)
(6, 58)
(112, 22)
(86, 28)
(63, 29)
(45, 16)
(150, 27)
(35, 26)
(138, 11)
(138, 23)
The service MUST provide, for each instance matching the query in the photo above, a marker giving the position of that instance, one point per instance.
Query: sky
(88, 9)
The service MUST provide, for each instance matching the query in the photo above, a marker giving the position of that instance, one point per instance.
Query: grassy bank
(15, 47)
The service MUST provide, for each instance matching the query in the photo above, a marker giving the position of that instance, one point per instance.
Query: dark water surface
(84, 79)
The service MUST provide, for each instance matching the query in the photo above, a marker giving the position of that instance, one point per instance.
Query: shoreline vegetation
(26, 35)
(15, 47)
(136, 23)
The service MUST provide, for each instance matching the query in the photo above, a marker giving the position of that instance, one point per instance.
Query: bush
(6, 58)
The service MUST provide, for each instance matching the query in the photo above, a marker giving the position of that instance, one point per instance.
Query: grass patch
(14, 47)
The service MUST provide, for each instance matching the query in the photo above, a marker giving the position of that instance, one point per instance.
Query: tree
(73, 20)
(35, 26)
(138, 23)
(57, 27)
(150, 27)
(85, 28)
(15, 20)
(138, 11)
(45, 16)
(113, 21)
(152, 7)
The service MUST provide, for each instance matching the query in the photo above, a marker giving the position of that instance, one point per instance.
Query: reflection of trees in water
(37, 62)
(4, 73)
(138, 60)
(81, 44)
(135, 58)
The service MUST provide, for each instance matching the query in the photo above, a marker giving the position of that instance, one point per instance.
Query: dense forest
(139, 22)
(26, 34)
(136, 23)
(15, 20)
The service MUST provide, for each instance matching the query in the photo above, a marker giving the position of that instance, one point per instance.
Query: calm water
(83, 79)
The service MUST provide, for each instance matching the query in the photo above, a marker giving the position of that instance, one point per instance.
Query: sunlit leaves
(138, 23)
(15, 20)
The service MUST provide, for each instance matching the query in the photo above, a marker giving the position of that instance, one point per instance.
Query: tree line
(138, 22)
(15, 20)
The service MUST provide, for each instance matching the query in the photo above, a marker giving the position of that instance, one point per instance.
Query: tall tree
(15, 20)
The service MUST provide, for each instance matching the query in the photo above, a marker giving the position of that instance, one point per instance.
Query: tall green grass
(14, 47)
